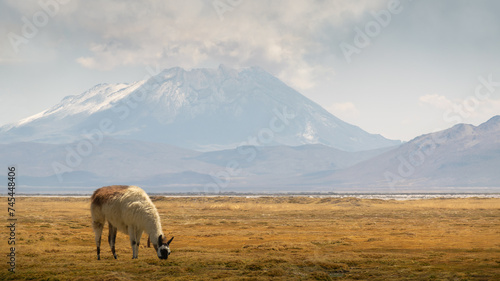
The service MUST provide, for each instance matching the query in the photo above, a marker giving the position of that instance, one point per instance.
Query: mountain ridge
(201, 109)
(461, 156)
(166, 168)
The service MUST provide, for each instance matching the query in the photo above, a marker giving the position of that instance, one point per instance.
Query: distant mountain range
(462, 158)
(224, 130)
(59, 168)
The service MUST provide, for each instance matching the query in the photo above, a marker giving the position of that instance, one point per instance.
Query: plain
(267, 238)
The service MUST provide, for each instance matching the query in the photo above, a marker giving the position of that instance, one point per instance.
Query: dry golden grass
(278, 238)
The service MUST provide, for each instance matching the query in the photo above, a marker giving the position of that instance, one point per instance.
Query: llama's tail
(97, 214)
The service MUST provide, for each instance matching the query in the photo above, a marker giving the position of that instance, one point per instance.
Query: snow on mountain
(59, 124)
(459, 158)
(201, 109)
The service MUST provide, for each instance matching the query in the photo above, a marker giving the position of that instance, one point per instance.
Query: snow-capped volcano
(201, 109)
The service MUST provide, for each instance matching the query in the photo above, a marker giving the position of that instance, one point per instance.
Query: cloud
(471, 109)
(296, 40)
(344, 110)
(437, 101)
(489, 108)
(290, 40)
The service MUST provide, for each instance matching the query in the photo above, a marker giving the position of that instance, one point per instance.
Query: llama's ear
(160, 241)
(168, 243)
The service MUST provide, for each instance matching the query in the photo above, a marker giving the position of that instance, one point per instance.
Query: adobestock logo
(408, 164)
(93, 138)
(221, 179)
(484, 89)
(363, 37)
(39, 19)
(223, 6)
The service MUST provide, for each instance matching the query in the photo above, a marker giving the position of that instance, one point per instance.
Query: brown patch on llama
(106, 193)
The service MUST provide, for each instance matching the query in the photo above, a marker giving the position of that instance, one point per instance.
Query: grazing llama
(129, 210)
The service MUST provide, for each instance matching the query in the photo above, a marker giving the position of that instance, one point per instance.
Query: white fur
(130, 212)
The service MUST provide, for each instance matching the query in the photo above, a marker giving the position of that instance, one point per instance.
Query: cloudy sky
(397, 68)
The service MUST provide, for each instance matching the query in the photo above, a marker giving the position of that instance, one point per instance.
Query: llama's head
(163, 249)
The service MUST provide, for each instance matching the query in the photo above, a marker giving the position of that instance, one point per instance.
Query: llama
(129, 210)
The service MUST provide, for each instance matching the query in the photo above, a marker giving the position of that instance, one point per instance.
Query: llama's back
(104, 194)
(122, 205)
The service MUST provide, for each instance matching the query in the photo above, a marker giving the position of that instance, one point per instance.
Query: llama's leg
(132, 232)
(98, 226)
(98, 220)
(112, 238)
(138, 235)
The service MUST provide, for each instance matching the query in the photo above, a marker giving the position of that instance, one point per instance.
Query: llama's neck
(154, 229)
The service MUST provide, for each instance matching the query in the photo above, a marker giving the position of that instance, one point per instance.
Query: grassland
(269, 238)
